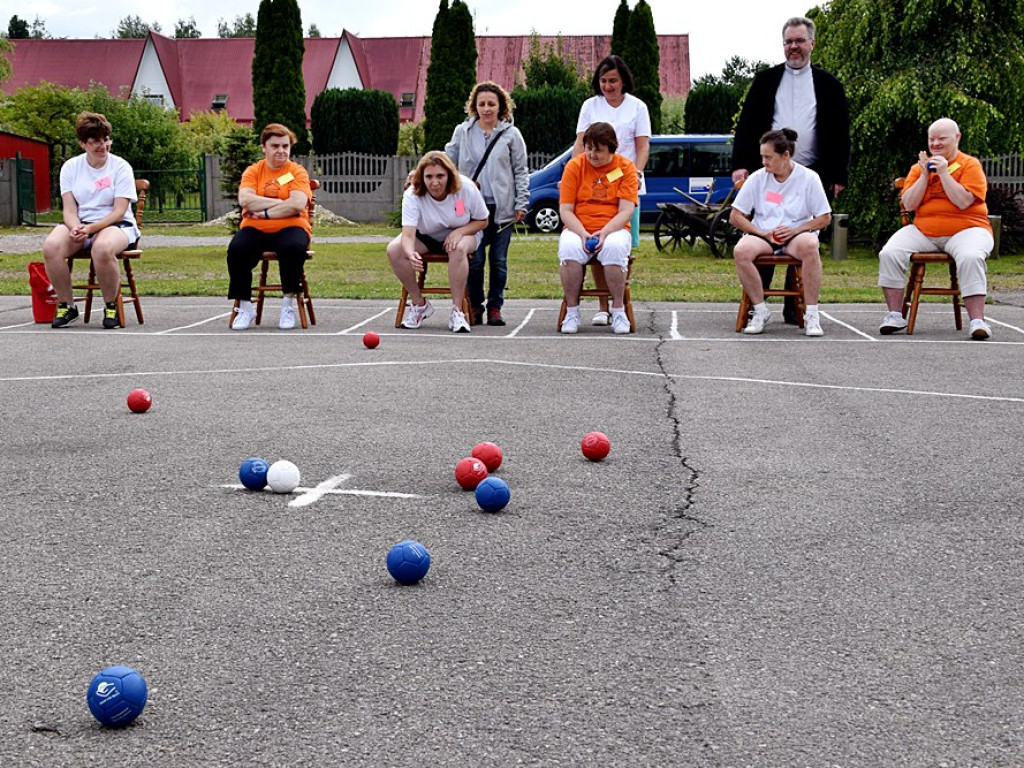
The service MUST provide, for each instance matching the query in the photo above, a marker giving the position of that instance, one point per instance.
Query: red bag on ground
(44, 300)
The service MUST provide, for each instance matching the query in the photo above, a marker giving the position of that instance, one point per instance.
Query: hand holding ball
(591, 244)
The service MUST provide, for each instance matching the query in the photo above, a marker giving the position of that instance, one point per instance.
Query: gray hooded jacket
(510, 175)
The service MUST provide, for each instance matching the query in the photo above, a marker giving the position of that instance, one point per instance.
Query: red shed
(39, 153)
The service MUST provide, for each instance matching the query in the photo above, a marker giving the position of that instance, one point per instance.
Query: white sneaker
(601, 318)
(243, 319)
(571, 324)
(620, 322)
(457, 321)
(980, 330)
(287, 321)
(812, 324)
(416, 314)
(758, 321)
(891, 323)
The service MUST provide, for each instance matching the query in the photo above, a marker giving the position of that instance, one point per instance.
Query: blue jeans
(498, 242)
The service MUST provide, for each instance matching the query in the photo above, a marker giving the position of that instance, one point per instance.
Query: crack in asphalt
(680, 523)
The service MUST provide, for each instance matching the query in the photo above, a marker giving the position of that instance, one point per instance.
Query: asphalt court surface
(799, 552)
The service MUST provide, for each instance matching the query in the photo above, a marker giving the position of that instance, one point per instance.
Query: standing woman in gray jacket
(491, 151)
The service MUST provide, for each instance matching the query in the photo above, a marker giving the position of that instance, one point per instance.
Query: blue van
(691, 162)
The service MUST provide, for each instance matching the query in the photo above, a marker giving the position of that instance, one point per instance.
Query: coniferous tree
(451, 74)
(355, 120)
(620, 28)
(278, 90)
(643, 56)
(17, 29)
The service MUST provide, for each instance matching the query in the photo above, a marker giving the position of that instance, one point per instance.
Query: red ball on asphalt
(596, 445)
(469, 472)
(489, 454)
(139, 401)
(371, 340)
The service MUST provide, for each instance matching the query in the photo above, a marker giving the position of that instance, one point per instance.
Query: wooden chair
(428, 259)
(304, 302)
(598, 293)
(125, 257)
(794, 277)
(915, 276)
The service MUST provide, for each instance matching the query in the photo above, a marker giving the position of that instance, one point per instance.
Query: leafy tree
(314, 31)
(410, 139)
(548, 104)
(239, 150)
(6, 49)
(643, 55)
(714, 101)
(186, 29)
(206, 132)
(39, 30)
(134, 27)
(550, 65)
(905, 66)
(278, 90)
(17, 29)
(451, 74)
(620, 28)
(354, 120)
(243, 26)
(673, 115)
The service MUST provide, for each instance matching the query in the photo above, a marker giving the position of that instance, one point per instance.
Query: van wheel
(545, 217)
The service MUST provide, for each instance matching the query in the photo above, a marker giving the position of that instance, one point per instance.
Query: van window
(667, 160)
(711, 160)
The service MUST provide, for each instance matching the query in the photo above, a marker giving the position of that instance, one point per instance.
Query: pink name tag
(460, 207)
(103, 183)
(773, 197)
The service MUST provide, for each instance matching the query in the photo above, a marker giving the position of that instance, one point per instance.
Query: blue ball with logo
(117, 695)
(492, 494)
(253, 473)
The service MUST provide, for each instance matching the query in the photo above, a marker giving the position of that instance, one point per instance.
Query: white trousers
(615, 250)
(969, 249)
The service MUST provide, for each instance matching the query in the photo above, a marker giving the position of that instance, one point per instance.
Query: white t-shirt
(95, 189)
(791, 203)
(797, 108)
(630, 119)
(437, 218)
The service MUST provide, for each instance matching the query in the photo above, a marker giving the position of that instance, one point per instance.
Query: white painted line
(221, 316)
(360, 325)
(518, 328)
(317, 493)
(1005, 325)
(341, 492)
(673, 331)
(20, 325)
(848, 326)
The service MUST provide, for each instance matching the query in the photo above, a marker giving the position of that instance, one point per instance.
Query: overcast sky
(748, 28)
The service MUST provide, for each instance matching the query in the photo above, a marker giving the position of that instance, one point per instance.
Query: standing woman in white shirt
(97, 189)
(615, 103)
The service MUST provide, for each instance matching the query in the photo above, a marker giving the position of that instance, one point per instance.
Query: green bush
(355, 120)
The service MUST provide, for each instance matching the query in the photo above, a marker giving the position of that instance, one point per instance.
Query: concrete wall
(8, 192)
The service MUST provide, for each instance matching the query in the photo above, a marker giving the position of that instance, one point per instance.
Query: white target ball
(282, 477)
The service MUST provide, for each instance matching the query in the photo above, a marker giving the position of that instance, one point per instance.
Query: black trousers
(247, 247)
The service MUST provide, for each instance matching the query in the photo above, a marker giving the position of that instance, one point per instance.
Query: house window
(408, 99)
(154, 98)
(220, 101)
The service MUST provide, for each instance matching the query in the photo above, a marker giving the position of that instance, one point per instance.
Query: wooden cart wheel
(671, 232)
(723, 236)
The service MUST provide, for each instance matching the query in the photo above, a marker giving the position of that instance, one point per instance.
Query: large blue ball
(408, 562)
(253, 473)
(117, 696)
(492, 494)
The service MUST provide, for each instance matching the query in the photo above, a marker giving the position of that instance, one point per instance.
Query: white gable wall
(150, 77)
(344, 73)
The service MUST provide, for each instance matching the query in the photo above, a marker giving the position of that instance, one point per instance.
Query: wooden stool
(915, 287)
(428, 259)
(794, 267)
(598, 293)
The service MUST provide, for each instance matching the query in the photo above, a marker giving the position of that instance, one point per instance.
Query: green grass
(360, 270)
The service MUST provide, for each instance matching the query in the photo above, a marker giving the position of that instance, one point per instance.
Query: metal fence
(175, 196)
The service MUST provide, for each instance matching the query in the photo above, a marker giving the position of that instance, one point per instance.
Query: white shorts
(615, 251)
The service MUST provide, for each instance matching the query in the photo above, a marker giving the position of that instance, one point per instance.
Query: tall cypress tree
(620, 28)
(451, 74)
(278, 90)
(643, 56)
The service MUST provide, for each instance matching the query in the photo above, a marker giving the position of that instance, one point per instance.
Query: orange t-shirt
(280, 183)
(595, 192)
(937, 216)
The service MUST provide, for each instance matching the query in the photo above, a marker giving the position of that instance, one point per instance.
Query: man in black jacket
(809, 100)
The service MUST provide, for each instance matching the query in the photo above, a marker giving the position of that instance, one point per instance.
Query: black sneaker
(110, 315)
(66, 315)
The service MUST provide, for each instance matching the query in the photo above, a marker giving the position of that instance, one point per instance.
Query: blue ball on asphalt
(492, 494)
(117, 695)
(253, 473)
(408, 562)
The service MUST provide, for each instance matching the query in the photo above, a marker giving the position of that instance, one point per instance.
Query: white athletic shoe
(416, 314)
(758, 321)
(457, 321)
(571, 324)
(287, 321)
(812, 324)
(601, 318)
(891, 323)
(620, 322)
(980, 330)
(243, 319)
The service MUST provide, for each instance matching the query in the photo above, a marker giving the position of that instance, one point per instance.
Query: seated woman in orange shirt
(273, 194)
(596, 201)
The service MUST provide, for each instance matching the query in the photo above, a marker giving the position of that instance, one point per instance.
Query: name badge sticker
(773, 197)
(614, 175)
(954, 167)
(103, 183)
(285, 179)
(460, 207)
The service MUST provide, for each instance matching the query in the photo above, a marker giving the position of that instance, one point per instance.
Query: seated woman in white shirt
(442, 212)
(780, 209)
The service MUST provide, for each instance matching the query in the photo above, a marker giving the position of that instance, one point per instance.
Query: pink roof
(75, 63)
